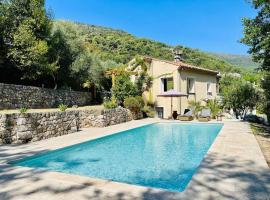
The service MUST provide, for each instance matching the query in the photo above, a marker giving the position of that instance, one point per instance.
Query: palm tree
(195, 106)
(213, 106)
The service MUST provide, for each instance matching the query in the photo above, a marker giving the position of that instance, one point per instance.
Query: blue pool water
(161, 155)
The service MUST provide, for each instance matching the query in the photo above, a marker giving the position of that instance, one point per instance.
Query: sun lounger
(187, 116)
(205, 115)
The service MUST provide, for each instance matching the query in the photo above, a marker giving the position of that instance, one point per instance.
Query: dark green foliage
(110, 103)
(25, 29)
(60, 52)
(135, 105)
(257, 33)
(122, 47)
(112, 44)
(149, 111)
(257, 36)
(266, 97)
(214, 106)
(37, 51)
(123, 88)
(209, 61)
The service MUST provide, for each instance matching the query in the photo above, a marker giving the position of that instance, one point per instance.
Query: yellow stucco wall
(160, 69)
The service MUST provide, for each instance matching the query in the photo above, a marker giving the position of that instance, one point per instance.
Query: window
(190, 85)
(167, 84)
(209, 89)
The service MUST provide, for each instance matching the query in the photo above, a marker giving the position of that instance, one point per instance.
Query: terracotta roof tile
(181, 65)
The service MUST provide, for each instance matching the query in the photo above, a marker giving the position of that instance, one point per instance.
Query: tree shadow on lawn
(217, 178)
(260, 129)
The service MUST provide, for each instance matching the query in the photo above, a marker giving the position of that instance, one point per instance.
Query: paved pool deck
(234, 168)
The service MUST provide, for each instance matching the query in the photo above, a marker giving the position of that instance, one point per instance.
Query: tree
(116, 71)
(88, 70)
(214, 106)
(60, 59)
(135, 105)
(240, 95)
(257, 36)
(139, 66)
(25, 27)
(257, 33)
(123, 88)
(265, 84)
(195, 107)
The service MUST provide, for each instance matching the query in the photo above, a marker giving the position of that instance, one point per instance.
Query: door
(159, 111)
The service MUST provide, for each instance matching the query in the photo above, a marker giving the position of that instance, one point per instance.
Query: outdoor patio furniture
(187, 116)
(205, 115)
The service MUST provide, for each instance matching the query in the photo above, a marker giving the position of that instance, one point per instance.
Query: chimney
(178, 55)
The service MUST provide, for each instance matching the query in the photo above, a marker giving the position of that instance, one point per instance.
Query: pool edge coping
(138, 188)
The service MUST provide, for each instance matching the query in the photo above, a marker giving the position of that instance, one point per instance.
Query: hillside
(121, 47)
(242, 61)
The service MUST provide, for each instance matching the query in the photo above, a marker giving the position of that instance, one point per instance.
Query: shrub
(62, 107)
(123, 88)
(110, 103)
(195, 106)
(149, 111)
(140, 101)
(214, 107)
(135, 105)
(23, 110)
(241, 96)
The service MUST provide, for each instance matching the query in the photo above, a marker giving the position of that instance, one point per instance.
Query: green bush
(123, 88)
(149, 111)
(110, 103)
(62, 107)
(135, 105)
(23, 110)
(140, 101)
(214, 107)
(195, 106)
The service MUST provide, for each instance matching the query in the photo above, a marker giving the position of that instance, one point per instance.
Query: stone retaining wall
(18, 96)
(22, 128)
(108, 117)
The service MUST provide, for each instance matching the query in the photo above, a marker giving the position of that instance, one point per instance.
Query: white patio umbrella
(173, 93)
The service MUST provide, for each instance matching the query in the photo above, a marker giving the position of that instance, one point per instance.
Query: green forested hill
(242, 61)
(121, 47)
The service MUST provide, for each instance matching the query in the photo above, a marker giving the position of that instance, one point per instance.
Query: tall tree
(257, 33)
(257, 36)
(25, 32)
(240, 95)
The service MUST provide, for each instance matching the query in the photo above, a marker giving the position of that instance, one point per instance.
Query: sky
(208, 25)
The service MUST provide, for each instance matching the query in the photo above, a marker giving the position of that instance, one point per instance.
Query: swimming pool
(160, 155)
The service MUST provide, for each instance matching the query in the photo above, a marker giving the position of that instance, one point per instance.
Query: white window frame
(194, 85)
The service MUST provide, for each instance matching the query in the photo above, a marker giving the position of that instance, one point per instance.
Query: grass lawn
(94, 107)
(262, 134)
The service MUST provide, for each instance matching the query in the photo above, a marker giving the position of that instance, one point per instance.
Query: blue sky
(209, 25)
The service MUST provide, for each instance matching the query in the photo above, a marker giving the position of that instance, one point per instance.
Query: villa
(194, 84)
(80, 120)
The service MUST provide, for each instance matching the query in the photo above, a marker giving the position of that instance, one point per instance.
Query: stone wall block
(22, 128)
(17, 96)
